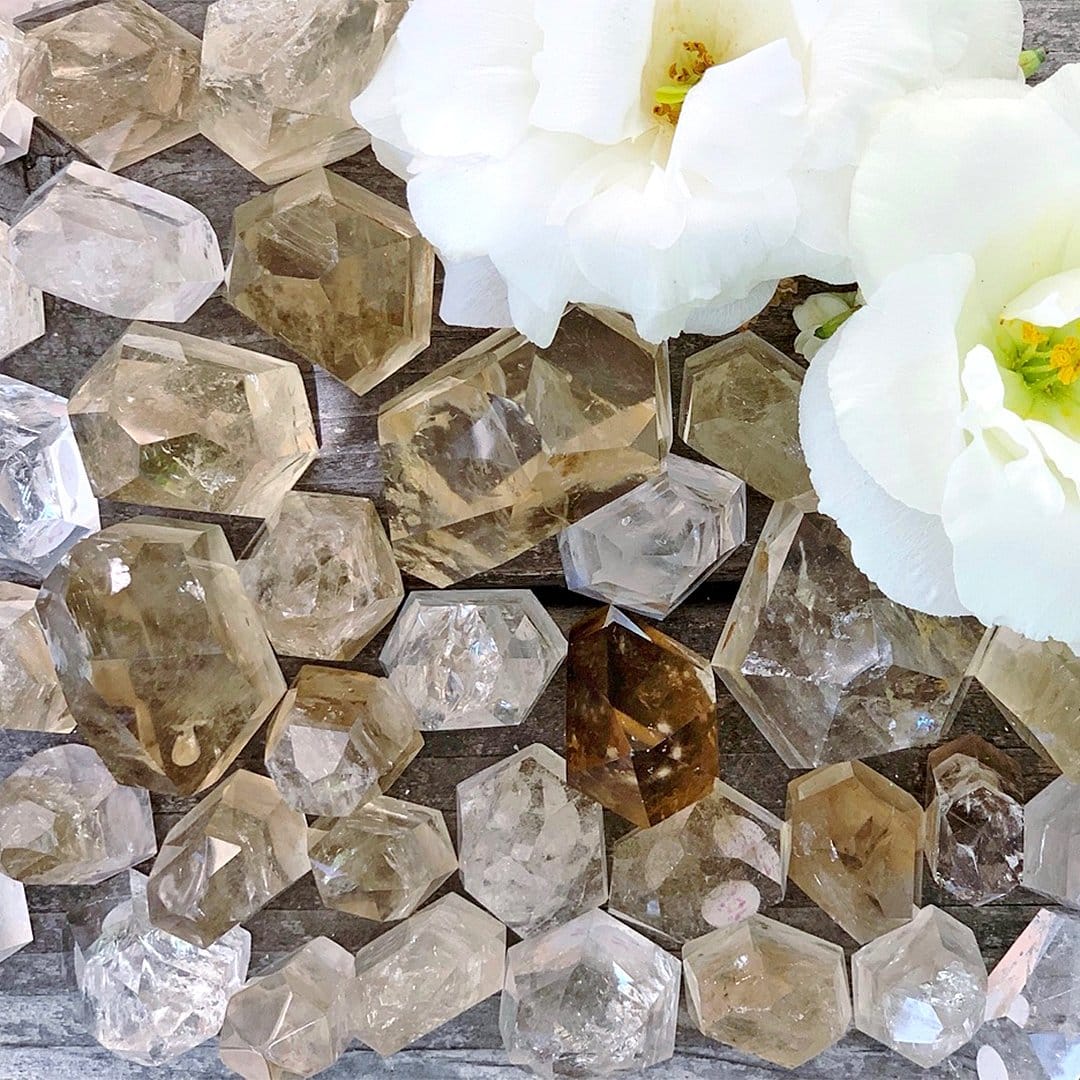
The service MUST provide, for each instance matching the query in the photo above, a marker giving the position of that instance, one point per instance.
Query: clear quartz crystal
(16, 119)
(1052, 842)
(15, 929)
(22, 310)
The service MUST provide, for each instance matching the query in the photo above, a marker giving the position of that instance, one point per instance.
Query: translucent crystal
(472, 659)
(337, 272)
(710, 865)
(22, 312)
(323, 576)
(116, 246)
(532, 849)
(508, 444)
(15, 928)
(16, 120)
(589, 998)
(1052, 842)
(20, 9)
(768, 989)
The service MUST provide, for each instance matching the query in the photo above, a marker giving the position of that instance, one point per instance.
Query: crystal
(589, 998)
(472, 659)
(278, 77)
(975, 820)
(768, 989)
(508, 444)
(22, 311)
(47, 503)
(22, 9)
(382, 861)
(116, 246)
(827, 668)
(323, 575)
(1052, 842)
(15, 928)
(650, 548)
(161, 656)
(338, 738)
(856, 847)
(432, 967)
(532, 848)
(16, 120)
(118, 80)
(290, 1023)
(640, 718)
(337, 272)
(710, 865)
(167, 419)
(147, 995)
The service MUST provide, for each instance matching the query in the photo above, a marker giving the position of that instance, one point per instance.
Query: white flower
(819, 317)
(545, 163)
(942, 423)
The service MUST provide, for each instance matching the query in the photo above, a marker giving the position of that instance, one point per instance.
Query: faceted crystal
(16, 120)
(921, 989)
(427, 970)
(15, 929)
(338, 738)
(710, 865)
(1052, 842)
(167, 419)
(532, 849)
(116, 246)
(22, 9)
(856, 847)
(323, 575)
(472, 659)
(22, 312)
(337, 272)
(589, 998)
(640, 718)
(768, 989)
(508, 444)
(382, 861)
(827, 668)
(118, 80)
(650, 548)
(64, 820)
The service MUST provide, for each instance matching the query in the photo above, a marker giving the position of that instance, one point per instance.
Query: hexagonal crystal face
(16, 120)
(15, 928)
(22, 311)
(1051, 848)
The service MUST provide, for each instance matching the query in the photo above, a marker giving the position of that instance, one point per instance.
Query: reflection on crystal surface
(1052, 842)
(15, 929)
(22, 312)
(16, 120)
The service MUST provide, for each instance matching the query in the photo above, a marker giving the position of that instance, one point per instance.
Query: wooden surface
(40, 1037)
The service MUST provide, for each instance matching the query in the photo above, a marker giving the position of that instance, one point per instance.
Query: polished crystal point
(1052, 842)
(827, 668)
(640, 718)
(168, 419)
(710, 865)
(472, 659)
(508, 444)
(768, 989)
(22, 311)
(338, 273)
(15, 928)
(116, 246)
(323, 576)
(589, 998)
(16, 119)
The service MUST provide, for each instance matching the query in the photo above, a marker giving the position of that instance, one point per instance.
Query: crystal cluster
(16, 120)
(1052, 842)
(22, 310)
(15, 929)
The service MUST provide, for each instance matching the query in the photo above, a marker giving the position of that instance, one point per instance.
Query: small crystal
(768, 989)
(16, 120)
(22, 312)
(323, 576)
(589, 998)
(116, 246)
(1052, 842)
(15, 928)
(472, 659)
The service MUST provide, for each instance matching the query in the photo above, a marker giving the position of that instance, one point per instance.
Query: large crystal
(116, 246)
(1052, 842)
(826, 666)
(508, 444)
(472, 659)
(710, 865)
(323, 575)
(768, 989)
(589, 998)
(22, 311)
(640, 718)
(337, 272)
(16, 120)
(15, 928)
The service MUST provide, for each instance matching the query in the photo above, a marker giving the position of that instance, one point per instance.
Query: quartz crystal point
(116, 246)
(64, 820)
(650, 548)
(1052, 842)
(323, 576)
(15, 928)
(640, 718)
(508, 444)
(827, 668)
(16, 120)
(338, 738)
(337, 272)
(856, 847)
(118, 80)
(472, 659)
(710, 865)
(532, 849)
(589, 998)
(22, 311)
(167, 419)
(425, 971)
(768, 989)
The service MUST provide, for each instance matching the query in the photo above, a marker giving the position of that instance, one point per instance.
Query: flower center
(1046, 358)
(685, 72)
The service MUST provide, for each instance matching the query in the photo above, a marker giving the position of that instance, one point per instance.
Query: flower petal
(474, 294)
(724, 315)
(1054, 301)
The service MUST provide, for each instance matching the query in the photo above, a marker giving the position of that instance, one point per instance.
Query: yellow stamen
(1065, 357)
(685, 73)
(1032, 335)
